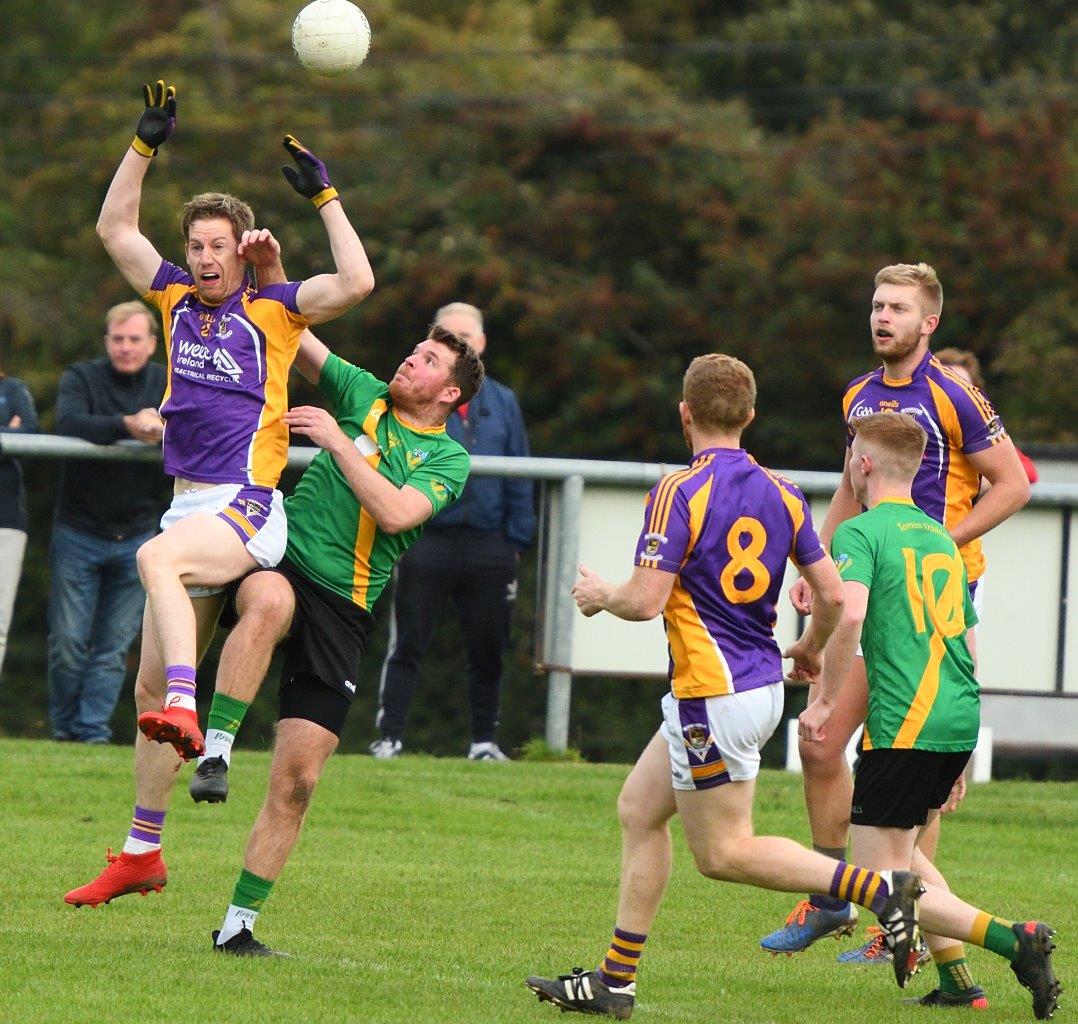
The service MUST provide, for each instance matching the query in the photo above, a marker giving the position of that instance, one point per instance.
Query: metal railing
(570, 475)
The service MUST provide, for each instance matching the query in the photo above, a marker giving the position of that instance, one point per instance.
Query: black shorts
(897, 788)
(322, 651)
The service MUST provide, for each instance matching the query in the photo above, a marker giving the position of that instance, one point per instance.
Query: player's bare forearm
(838, 659)
(1008, 491)
(395, 509)
(638, 599)
(327, 296)
(118, 224)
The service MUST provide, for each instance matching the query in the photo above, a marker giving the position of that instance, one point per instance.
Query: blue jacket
(494, 426)
(15, 400)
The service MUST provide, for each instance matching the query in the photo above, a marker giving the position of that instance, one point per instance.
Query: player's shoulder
(862, 379)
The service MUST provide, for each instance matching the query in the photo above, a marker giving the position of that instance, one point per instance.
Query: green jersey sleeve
(346, 385)
(854, 554)
(442, 478)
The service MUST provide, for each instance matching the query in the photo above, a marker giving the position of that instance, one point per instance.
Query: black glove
(309, 177)
(157, 120)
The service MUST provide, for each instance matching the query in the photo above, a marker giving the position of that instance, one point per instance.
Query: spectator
(470, 553)
(104, 512)
(17, 415)
(968, 366)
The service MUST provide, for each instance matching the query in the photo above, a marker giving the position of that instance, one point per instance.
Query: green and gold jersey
(922, 692)
(331, 537)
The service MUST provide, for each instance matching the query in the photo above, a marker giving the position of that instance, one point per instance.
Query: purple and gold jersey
(227, 382)
(726, 526)
(959, 421)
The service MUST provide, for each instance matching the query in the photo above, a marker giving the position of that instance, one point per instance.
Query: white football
(331, 37)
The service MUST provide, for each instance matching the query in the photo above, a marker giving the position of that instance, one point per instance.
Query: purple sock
(180, 691)
(146, 825)
(861, 886)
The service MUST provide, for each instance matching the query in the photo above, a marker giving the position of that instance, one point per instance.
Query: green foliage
(539, 750)
(620, 185)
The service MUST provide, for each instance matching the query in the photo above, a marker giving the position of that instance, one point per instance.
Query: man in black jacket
(104, 512)
(469, 553)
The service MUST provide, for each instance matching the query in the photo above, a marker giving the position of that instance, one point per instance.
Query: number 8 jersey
(726, 526)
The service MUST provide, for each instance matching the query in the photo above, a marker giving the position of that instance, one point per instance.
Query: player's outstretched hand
(309, 177)
(158, 120)
(259, 248)
(318, 425)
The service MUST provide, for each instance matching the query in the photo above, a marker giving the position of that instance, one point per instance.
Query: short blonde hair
(461, 308)
(720, 392)
(897, 441)
(125, 310)
(922, 276)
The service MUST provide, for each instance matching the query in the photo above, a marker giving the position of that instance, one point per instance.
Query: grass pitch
(426, 890)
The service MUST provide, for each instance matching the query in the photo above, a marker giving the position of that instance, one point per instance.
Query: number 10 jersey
(726, 526)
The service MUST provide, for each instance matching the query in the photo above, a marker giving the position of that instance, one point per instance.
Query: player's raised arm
(117, 225)
(263, 252)
(327, 296)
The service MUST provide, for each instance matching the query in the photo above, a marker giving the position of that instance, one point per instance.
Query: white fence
(592, 512)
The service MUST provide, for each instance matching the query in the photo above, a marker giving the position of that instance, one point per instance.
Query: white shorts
(714, 740)
(256, 514)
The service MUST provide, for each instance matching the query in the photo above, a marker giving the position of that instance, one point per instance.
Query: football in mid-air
(331, 37)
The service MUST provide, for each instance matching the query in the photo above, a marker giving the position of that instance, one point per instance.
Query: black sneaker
(1033, 966)
(972, 999)
(243, 943)
(899, 921)
(585, 992)
(210, 781)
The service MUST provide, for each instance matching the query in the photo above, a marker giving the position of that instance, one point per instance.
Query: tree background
(619, 184)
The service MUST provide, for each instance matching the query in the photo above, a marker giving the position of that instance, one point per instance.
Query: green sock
(247, 899)
(996, 935)
(225, 718)
(251, 891)
(954, 974)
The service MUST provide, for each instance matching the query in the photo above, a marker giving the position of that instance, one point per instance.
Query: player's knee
(714, 862)
(297, 789)
(269, 609)
(150, 558)
(823, 758)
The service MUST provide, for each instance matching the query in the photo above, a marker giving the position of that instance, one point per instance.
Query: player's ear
(752, 416)
(451, 395)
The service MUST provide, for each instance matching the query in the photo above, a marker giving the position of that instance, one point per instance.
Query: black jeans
(477, 569)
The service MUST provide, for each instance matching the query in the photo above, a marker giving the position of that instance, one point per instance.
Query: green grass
(425, 890)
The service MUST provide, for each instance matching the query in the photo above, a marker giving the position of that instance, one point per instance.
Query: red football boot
(177, 726)
(127, 873)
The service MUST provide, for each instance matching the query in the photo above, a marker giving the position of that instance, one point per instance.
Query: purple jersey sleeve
(169, 273)
(285, 294)
(981, 426)
(806, 547)
(666, 538)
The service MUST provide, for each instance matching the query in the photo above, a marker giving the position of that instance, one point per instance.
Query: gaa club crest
(698, 739)
(652, 543)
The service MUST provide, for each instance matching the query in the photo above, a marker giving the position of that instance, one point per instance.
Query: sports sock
(224, 721)
(995, 935)
(953, 970)
(145, 834)
(180, 691)
(619, 965)
(247, 899)
(861, 886)
(818, 899)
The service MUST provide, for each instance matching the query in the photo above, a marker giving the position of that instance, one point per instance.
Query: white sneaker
(385, 748)
(487, 752)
